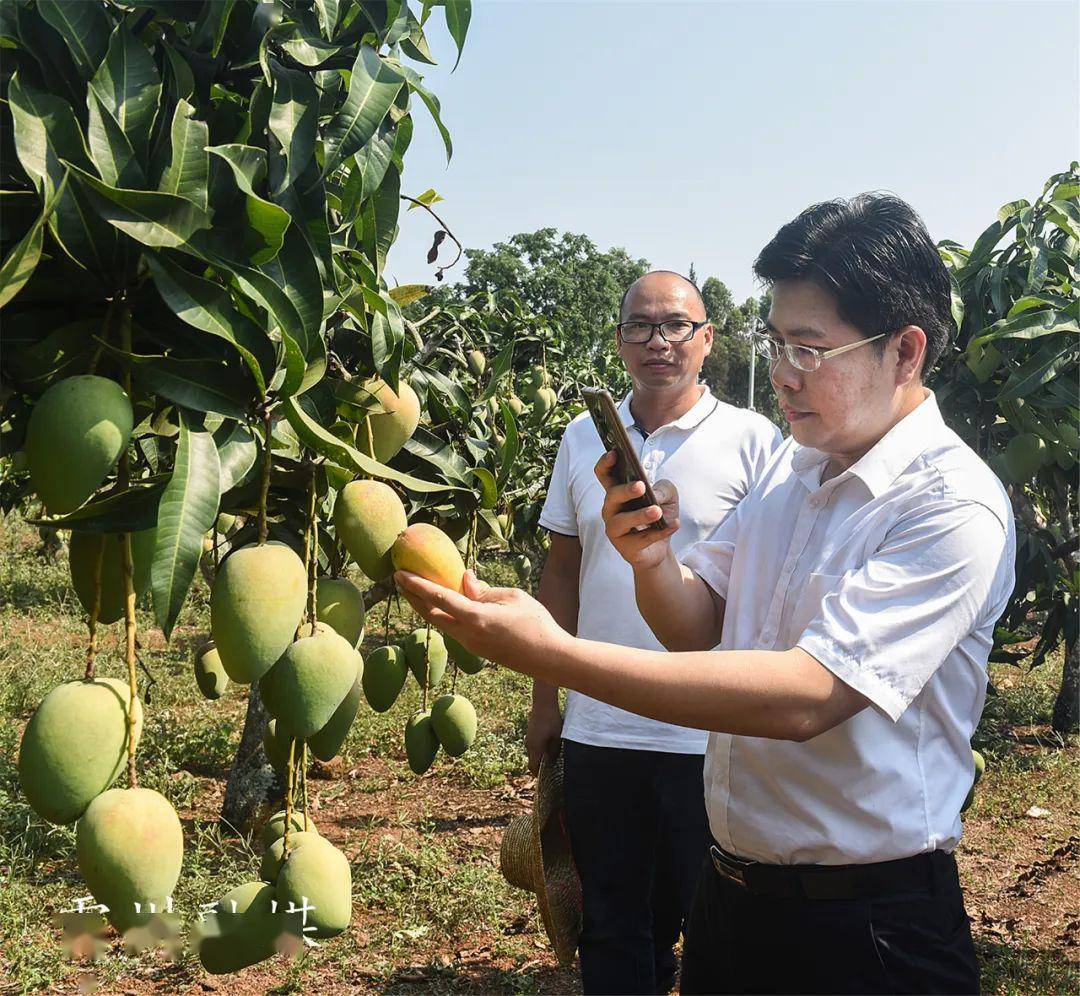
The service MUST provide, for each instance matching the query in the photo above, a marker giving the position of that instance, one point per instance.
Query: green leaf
(237, 452)
(1013, 208)
(268, 221)
(207, 306)
(373, 86)
(201, 385)
(313, 435)
(188, 172)
(131, 510)
(489, 489)
(293, 119)
(405, 294)
(181, 79)
(110, 148)
(1030, 324)
(305, 201)
(187, 511)
(294, 270)
(129, 86)
(431, 102)
(328, 16)
(458, 15)
(428, 197)
(439, 453)
(1037, 370)
(23, 259)
(85, 28)
(148, 216)
(372, 162)
(511, 447)
(416, 45)
(500, 368)
(305, 47)
(380, 219)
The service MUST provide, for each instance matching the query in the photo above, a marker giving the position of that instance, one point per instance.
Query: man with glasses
(853, 594)
(632, 785)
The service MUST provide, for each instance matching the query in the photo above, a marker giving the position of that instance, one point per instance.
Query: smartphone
(613, 435)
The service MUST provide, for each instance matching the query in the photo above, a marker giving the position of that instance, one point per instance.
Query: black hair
(875, 256)
(693, 286)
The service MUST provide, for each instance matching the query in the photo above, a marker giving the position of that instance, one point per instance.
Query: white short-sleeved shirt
(712, 453)
(892, 575)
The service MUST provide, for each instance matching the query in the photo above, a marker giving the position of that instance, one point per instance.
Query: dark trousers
(917, 941)
(637, 827)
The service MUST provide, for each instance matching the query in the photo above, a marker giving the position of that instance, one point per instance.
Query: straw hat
(535, 855)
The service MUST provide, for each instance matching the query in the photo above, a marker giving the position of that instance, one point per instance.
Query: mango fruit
(274, 827)
(310, 680)
(538, 378)
(75, 745)
(369, 517)
(393, 428)
(243, 930)
(541, 402)
(1024, 456)
(327, 742)
(477, 362)
(83, 552)
(255, 606)
(384, 675)
(426, 658)
(76, 433)
(980, 769)
(316, 877)
(340, 604)
(421, 743)
(130, 847)
(464, 659)
(453, 719)
(426, 550)
(275, 742)
(270, 864)
(224, 522)
(210, 676)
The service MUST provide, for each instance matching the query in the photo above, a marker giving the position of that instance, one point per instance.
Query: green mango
(273, 856)
(243, 930)
(130, 846)
(275, 826)
(75, 745)
(309, 681)
(210, 676)
(384, 675)
(421, 743)
(426, 660)
(316, 876)
(464, 659)
(477, 362)
(276, 739)
(255, 606)
(340, 604)
(369, 517)
(1024, 456)
(76, 434)
(83, 552)
(393, 427)
(453, 719)
(326, 743)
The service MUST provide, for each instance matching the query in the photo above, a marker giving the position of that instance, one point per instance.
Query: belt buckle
(728, 867)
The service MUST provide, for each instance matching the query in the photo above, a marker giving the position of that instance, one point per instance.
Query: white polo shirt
(892, 575)
(713, 453)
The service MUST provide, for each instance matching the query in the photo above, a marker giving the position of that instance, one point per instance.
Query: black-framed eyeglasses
(805, 358)
(674, 330)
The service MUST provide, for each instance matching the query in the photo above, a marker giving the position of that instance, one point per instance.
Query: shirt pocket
(808, 604)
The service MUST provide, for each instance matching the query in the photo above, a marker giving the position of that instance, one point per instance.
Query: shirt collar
(689, 419)
(887, 458)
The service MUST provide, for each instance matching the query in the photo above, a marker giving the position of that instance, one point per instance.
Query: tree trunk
(251, 779)
(1067, 707)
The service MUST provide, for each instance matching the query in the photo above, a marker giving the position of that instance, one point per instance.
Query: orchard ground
(431, 911)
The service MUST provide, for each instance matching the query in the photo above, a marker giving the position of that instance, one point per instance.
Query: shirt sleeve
(559, 513)
(888, 625)
(710, 559)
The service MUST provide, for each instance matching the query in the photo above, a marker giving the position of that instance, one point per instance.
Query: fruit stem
(128, 570)
(303, 782)
(312, 553)
(427, 666)
(265, 493)
(289, 785)
(386, 617)
(369, 436)
(95, 609)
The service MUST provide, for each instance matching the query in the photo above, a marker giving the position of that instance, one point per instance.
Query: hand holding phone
(613, 435)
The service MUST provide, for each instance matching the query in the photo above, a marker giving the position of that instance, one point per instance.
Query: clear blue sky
(692, 131)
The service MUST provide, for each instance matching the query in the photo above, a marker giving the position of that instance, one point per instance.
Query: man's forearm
(678, 606)
(782, 695)
(559, 595)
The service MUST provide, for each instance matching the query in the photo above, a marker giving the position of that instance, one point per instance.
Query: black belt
(926, 873)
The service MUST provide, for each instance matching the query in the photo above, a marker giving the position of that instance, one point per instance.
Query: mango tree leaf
(23, 259)
(1037, 370)
(431, 102)
(1030, 324)
(148, 216)
(380, 218)
(440, 454)
(499, 369)
(210, 31)
(200, 385)
(416, 45)
(188, 508)
(131, 510)
(328, 16)
(295, 271)
(110, 147)
(237, 452)
(293, 119)
(458, 15)
(84, 26)
(181, 79)
(489, 489)
(207, 306)
(451, 391)
(373, 86)
(313, 435)
(268, 221)
(405, 294)
(511, 446)
(129, 86)
(428, 197)
(188, 172)
(304, 46)
(306, 203)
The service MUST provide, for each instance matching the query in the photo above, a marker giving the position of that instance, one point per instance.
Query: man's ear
(708, 332)
(910, 353)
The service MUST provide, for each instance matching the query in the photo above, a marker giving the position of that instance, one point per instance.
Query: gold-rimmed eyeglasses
(805, 358)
